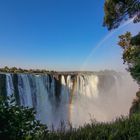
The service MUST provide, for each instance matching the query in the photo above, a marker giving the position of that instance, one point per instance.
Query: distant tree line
(6, 69)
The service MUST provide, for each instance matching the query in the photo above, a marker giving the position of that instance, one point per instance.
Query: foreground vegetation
(116, 12)
(19, 123)
(121, 129)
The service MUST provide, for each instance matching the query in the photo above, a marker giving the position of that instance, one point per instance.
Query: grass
(124, 128)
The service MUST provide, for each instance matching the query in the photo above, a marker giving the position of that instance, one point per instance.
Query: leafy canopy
(117, 11)
(131, 53)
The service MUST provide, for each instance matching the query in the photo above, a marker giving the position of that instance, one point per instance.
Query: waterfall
(9, 85)
(72, 97)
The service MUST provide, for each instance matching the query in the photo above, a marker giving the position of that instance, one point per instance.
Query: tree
(131, 53)
(19, 123)
(131, 56)
(117, 11)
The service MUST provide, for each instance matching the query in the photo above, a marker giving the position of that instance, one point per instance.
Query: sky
(59, 35)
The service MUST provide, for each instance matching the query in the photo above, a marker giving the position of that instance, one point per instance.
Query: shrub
(18, 122)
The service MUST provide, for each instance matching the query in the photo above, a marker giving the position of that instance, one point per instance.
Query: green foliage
(123, 128)
(19, 123)
(117, 11)
(136, 104)
(135, 40)
(131, 53)
(19, 70)
(131, 56)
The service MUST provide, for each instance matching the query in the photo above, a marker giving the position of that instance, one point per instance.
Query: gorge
(71, 97)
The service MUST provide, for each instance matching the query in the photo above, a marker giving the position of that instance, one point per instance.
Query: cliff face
(71, 97)
(3, 85)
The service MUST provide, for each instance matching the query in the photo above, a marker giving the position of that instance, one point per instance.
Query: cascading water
(71, 97)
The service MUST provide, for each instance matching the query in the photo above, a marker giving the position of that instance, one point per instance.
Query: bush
(18, 122)
(124, 128)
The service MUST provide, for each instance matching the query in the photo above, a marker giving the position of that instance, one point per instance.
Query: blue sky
(58, 35)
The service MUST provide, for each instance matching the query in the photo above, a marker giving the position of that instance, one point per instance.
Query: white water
(9, 86)
(74, 98)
